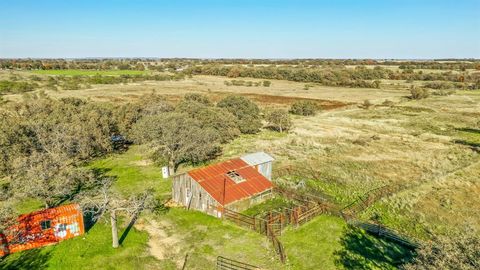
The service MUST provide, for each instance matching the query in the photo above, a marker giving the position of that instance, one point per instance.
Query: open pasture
(426, 151)
(84, 72)
(280, 91)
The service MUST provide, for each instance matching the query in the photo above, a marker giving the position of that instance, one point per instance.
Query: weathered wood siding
(188, 192)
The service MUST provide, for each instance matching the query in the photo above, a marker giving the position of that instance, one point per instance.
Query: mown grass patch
(84, 72)
(90, 251)
(469, 137)
(134, 172)
(205, 237)
(28, 205)
(313, 245)
(327, 242)
(274, 204)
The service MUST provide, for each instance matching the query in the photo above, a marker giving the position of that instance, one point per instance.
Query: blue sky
(241, 28)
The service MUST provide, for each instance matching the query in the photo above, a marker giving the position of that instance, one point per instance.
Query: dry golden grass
(410, 146)
(345, 151)
(213, 86)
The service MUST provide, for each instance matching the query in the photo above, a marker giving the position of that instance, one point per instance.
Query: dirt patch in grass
(161, 245)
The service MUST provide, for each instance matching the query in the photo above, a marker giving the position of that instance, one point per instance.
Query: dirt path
(161, 244)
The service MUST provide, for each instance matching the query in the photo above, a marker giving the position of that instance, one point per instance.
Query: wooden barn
(235, 184)
(41, 228)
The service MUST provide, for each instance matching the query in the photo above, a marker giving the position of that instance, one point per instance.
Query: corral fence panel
(229, 264)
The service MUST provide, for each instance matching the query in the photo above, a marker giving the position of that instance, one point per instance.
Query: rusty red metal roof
(213, 178)
(41, 228)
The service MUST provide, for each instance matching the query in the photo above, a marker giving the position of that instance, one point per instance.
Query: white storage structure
(261, 161)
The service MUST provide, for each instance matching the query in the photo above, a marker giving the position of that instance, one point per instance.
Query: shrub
(303, 107)
(443, 92)
(439, 85)
(279, 120)
(367, 104)
(16, 87)
(419, 93)
(222, 121)
(245, 111)
(267, 83)
(198, 98)
(238, 82)
(388, 103)
(307, 86)
(250, 124)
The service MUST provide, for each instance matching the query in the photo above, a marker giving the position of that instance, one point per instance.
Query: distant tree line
(76, 82)
(247, 83)
(331, 77)
(347, 77)
(176, 63)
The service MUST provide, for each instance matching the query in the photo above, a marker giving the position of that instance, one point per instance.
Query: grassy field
(280, 93)
(327, 243)
(90, 251)
(162, 240)
(427, 151)
(83, 72)
(134, 172)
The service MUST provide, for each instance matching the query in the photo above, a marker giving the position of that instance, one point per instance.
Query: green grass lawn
(28, 205)
(323, 242)
(327, 242)
(90, 251)
(312, 246)
(205, 237)
(134, 172)
(73, 72)
(469, 136)
(276, 203)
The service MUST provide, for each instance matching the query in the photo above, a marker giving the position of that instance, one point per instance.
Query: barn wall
(190, 194)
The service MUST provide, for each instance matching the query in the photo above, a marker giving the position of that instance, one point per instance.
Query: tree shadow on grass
(159, 209)
(129, 227)
(469, 130)
(26, 260)
(475, 146)
(472, 145)
(364, 251)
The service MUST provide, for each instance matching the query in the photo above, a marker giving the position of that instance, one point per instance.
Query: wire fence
(349, 213)
(274, 222)
(229, 264)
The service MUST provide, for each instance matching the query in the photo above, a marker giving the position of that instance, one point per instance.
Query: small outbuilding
(235, 184)
(41, 228)
(261, 161)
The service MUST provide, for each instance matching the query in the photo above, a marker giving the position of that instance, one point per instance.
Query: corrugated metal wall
(265, 169)
(43, 228)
